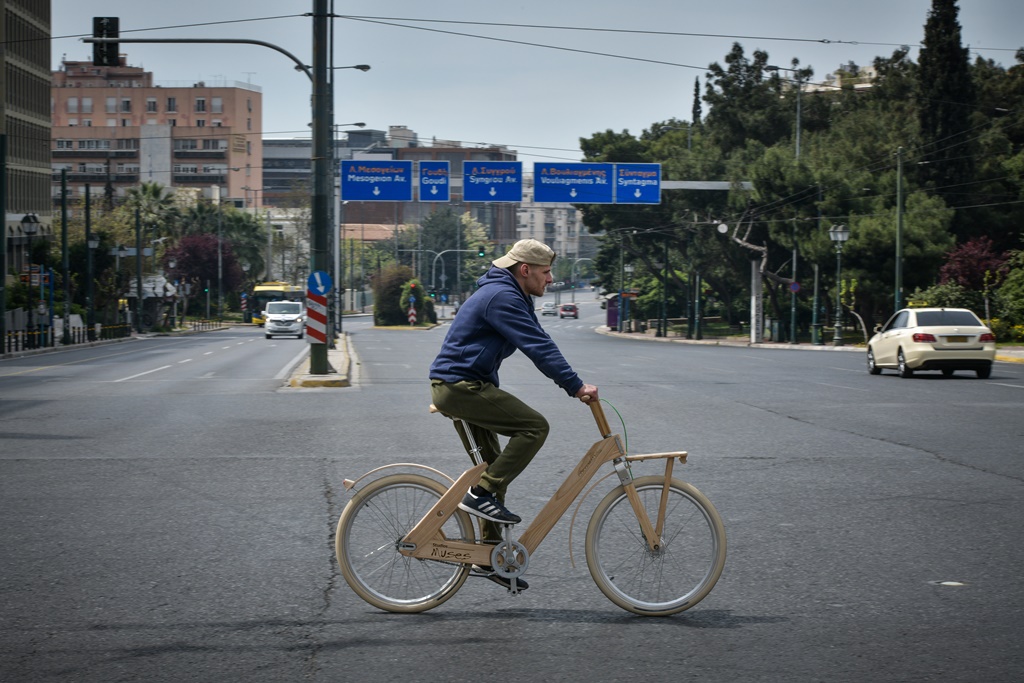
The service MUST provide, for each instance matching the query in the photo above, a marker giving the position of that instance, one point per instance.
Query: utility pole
(321, 177)
(898, 295)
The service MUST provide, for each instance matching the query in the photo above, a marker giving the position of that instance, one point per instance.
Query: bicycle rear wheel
(370, 528)
(671, 579)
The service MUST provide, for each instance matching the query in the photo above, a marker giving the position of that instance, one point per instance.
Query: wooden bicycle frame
(425, 542)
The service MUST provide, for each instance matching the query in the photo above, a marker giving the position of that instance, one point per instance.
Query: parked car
(284, 317)
(548, 308)
(568, 311)
(944, 339)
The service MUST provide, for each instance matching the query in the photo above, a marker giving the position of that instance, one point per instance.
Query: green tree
(947, 98)
(388, 288)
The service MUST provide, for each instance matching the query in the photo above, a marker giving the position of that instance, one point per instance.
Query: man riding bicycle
(495, 321)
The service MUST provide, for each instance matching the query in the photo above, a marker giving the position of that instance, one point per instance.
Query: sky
(523, 74)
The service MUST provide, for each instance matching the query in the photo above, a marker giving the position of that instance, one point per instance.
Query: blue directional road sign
(319, 282)
(435, 181)
(573, 183)
(492, 181)
(376, 181)
(637, 183)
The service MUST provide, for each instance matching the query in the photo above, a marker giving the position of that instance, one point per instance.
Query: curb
(339, 362)
(1005, 355)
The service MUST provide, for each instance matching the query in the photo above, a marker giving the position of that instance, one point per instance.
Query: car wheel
(302, 335)
(872, 368)
(270, 336)
(947, 372)
(901, 364)
(984, 373)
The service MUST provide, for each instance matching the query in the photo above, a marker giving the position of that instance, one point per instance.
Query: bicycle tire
(366, 543)
(672, 579)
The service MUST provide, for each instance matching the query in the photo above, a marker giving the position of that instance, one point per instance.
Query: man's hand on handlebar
(587, 393)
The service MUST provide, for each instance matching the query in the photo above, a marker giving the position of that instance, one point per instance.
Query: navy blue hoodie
(495, 321)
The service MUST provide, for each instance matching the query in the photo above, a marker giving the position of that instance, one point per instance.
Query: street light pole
(898, 296)
(320, 227)
(839, 234)
(572, 275)
(90, 315)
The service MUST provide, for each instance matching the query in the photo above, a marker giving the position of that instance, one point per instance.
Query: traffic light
(433, 294)
(105, 54)
(480, 252)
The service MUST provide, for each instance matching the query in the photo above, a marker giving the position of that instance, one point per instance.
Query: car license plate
(957, 339)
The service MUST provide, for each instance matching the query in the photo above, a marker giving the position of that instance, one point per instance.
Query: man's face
(536, 279)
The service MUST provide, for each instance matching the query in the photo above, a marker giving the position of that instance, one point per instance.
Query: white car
(284, 317)
(945, 339)
(548, 308)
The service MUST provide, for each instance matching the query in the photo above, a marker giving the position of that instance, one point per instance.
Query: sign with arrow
(492, 181)
(435, 181)
(573, 183)
(376, 181)
(637, 183)
(319, 282)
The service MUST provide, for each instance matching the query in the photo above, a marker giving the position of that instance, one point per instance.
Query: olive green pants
(489, 412)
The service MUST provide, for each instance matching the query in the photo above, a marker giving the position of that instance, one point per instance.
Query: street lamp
(838, 234)
(172, 264)
(572, 276)
(30, 227)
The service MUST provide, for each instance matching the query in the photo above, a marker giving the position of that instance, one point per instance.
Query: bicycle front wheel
(656, 582)
(370, 528)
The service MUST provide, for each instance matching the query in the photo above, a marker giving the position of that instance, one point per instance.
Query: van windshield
(284, 307)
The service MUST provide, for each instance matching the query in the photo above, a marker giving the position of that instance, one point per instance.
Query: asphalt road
(169, 509)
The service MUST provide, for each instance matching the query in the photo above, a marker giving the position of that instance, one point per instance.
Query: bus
(272, 291)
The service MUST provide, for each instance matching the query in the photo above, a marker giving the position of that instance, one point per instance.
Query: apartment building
(25, 124)
(115, 128)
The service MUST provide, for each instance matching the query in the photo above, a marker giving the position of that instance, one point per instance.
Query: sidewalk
(1007, 354)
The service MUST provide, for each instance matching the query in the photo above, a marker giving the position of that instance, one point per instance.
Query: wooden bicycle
(655, 545)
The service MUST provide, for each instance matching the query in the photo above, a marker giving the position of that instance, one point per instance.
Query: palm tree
(157, 211)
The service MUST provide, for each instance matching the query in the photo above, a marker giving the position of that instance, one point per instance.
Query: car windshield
(940, 318)
(284, 307)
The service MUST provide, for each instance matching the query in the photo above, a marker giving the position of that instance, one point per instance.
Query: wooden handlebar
(599, 418)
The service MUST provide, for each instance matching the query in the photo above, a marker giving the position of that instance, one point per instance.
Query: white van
(284, 317)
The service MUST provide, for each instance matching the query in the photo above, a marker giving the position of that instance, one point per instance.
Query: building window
(215, 143)
(200, 104)
(126, 105)
(151, 105)
(172, 122)
(111, 122)
(86, 105)
(87, 123)
(248, 124)
(111, 105)
(172, 104)
(72, 122)
(72, 105)
(125, 123)
(217, 123)
(200, 123)
(185, 144)
(218, 105)
(65, 144)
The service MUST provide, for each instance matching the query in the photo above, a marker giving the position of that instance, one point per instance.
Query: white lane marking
(840, 386)
(1012, 386)
(208, 353)
(187, 360)
(125, 379)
